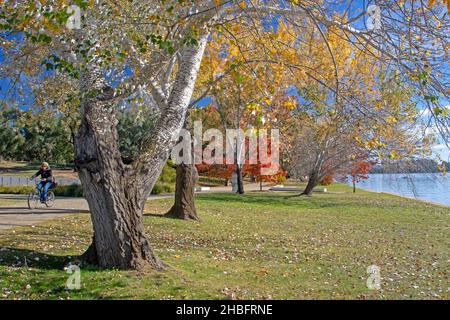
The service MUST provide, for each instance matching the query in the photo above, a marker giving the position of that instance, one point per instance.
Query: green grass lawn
(255, 246)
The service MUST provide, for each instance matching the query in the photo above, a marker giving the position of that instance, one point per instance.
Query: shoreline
(439, 204)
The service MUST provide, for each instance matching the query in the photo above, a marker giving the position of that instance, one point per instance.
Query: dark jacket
(45, 174)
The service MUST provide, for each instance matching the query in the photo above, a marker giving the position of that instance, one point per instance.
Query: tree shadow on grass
(157, 215)
(15, 257)
(51, 274)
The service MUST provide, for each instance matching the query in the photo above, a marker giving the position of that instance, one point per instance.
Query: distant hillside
(409, 166)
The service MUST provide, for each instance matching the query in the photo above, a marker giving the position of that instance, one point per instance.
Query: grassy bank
(256, 246)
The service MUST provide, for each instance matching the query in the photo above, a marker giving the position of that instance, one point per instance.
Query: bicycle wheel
(50, 199)
(33, 199)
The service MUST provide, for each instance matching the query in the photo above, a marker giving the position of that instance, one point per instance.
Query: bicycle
(35, 197)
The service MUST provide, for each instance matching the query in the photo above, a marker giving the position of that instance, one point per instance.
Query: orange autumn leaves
(432, 3)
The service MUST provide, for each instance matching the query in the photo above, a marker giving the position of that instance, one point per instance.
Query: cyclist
(47, 180)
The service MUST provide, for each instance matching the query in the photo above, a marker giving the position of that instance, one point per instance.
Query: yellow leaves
(233, 50)
(378, 105)
(253, 107)
(391, 120)
(290, 104)
(375, 143)
(268, 101)
(394, 155)
(353, 62)
(431, 3)
(235, 28)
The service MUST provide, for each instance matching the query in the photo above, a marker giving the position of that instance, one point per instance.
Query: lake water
(424, 186)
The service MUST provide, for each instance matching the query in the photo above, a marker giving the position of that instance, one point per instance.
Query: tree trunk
(184, 206)
(240, 180)
(354, 186)
(117, 193)
(116, 211)
(312, 183)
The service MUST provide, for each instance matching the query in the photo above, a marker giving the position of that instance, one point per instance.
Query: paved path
(17, 213)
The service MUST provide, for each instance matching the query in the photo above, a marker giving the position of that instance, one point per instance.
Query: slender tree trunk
(314, 176)
(312, 183)
(240, 182)
(354, 186)
(187, 176)
(184, 206)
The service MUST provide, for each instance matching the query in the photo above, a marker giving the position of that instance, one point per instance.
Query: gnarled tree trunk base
(182, 213)
(148, 258)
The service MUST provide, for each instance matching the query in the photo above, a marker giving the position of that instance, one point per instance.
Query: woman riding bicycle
(47, 180)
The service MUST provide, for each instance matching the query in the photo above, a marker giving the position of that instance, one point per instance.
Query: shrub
(163, 188)
(16, 189)
(168, 174)
(166, 181)
(157, 189)
(327, 180)
(73, 190)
